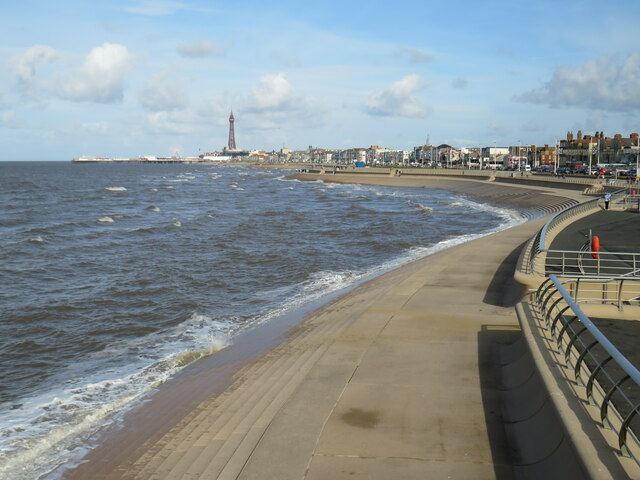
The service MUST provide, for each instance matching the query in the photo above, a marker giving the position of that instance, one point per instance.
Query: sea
(116, 276)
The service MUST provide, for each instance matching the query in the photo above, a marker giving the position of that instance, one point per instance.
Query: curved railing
(542, 239)
(611, 381)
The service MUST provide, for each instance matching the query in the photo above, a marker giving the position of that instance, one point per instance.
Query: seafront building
(575, 153)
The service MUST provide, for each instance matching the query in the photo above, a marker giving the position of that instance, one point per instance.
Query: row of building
(575, 151)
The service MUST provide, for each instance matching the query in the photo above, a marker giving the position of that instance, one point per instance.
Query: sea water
(114, 277)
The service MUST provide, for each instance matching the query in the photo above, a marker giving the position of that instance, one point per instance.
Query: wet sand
(343, 388)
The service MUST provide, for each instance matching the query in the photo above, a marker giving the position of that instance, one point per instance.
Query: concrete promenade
(398, 379)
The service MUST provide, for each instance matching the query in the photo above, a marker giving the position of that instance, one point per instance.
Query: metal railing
(611, 381)
(542, 242)
(581, 262)
(630, 201)
(618, 291)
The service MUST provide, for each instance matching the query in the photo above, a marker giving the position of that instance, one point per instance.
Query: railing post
(622, 437)
(604, 409)
(620, 282)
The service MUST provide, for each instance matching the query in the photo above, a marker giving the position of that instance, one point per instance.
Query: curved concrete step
(174, 456)
(182, 445)
(200, 452)
(173, 444)
(235, 453)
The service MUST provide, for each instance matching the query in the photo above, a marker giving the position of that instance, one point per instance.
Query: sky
(160, 77)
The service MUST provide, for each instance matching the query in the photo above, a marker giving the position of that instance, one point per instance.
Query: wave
(37, 239)
(116, 189)
(177, 223)
(105, 220)
(40, 432)
(420, 207)
(153, 208)
(51, 429)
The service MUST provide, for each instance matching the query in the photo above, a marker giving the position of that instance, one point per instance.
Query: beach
(394, 379)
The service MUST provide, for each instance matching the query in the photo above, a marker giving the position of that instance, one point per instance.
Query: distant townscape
(577, 153)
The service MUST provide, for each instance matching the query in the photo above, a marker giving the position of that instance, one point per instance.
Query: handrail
(541, 241)
(611, 383)
(611, 349)
(619, 291)
(565, 215)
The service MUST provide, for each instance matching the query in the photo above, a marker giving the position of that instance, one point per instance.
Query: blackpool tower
(232, 135)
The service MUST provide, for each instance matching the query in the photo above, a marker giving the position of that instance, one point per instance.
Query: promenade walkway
(619, 231)
(398, 379)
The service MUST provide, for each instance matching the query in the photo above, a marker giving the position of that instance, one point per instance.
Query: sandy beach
(394, 379)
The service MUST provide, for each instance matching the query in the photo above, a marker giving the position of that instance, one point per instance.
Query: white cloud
(24, 67)
(608, 83)
(398, 99)
(274, 93)
(101, 77)
(198, 49)
(163, 92)
(275, 102)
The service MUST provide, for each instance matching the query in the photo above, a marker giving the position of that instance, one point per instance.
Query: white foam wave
(510, 217)
(423, 208)
(37, 239)
(116, 189)
(55, 427)
(105, 220)
(153, 208)
(177, 223)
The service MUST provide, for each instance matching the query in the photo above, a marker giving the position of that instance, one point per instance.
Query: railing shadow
(504, 290)
(491, 339)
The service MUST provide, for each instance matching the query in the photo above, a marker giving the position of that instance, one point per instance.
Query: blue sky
(155, 77)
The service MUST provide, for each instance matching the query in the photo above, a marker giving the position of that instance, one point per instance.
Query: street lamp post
(637, 156)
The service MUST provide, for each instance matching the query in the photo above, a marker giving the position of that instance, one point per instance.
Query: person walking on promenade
(607, 199)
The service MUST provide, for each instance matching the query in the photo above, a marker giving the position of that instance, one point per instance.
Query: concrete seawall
(410, 375)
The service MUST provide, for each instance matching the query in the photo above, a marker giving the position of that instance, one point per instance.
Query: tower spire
(232, 135)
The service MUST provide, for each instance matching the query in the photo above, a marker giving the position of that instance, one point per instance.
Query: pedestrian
(607, 199)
